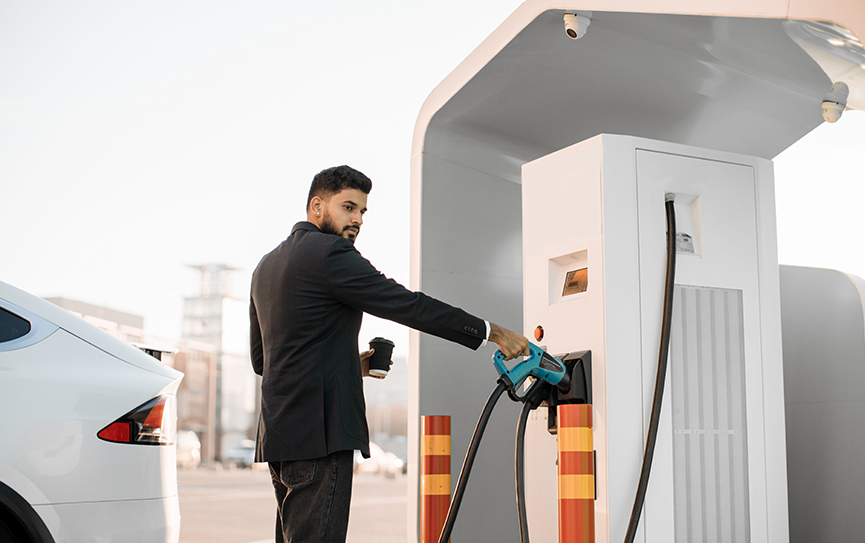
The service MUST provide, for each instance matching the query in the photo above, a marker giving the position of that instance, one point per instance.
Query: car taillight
(151, 423)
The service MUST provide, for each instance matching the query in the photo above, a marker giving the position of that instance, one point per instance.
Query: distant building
(217, 317)
(196, 397)
(387, 403)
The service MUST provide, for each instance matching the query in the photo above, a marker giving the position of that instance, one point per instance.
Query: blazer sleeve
(354, 281)
(256, 349)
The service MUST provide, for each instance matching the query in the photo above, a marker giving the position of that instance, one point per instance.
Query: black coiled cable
(520, 469)
(661, 375)
(531, 400)
(470, 459)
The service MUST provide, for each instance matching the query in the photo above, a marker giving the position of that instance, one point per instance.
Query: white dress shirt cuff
(487, 336)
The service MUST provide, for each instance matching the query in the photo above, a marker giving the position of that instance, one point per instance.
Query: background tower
(219, 318)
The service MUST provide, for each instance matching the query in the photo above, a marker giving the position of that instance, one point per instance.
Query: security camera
(576, 25)
(832, 111)
(835, 101)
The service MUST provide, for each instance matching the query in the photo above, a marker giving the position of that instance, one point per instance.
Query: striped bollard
(576, 474)
(435, 486)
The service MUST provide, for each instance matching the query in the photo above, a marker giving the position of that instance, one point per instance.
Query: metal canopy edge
(743, 77)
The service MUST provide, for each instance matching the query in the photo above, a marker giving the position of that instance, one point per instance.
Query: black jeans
(313, 498)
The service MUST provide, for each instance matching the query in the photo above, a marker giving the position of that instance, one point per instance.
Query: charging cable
(669, 283)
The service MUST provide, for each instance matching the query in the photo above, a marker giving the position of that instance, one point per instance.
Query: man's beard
(329, 227)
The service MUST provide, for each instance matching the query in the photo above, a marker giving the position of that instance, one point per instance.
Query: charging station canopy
(745, 77)
(740, 76)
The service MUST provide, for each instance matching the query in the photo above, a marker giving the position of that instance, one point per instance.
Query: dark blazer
(308, 298)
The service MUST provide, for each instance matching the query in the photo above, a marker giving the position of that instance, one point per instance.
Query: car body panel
(56, 443)
(60, 384)
(130, 521)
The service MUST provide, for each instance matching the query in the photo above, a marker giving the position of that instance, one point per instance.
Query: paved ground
(238, 507)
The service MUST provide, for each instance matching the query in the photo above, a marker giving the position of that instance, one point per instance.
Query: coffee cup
(379, 362)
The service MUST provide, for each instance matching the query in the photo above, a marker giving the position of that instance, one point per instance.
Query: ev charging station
(540, 168)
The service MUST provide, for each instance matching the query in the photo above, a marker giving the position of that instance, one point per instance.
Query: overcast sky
(137, 138)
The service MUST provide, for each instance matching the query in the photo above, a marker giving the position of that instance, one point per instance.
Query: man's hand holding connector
(510, 343)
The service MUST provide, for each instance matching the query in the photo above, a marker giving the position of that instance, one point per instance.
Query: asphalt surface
(237, 506)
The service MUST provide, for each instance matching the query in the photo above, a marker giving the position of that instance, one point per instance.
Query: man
(308, 298)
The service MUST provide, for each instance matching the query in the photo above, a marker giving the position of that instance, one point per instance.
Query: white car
(188, 450)
(242, 456)
(379, 461)
(88, 425)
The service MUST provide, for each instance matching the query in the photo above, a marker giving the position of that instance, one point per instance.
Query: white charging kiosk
(719, 463)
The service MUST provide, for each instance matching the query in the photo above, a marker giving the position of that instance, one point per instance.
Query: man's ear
(316, 204)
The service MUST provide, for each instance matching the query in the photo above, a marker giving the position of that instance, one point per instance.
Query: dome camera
(835, 101)
(832, 111)
(576, 25)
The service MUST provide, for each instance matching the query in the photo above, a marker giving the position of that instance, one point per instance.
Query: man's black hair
(328, 182)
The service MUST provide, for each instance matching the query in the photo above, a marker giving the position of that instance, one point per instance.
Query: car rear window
(12, 326)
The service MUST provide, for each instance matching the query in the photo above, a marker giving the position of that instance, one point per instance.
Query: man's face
(342, 213)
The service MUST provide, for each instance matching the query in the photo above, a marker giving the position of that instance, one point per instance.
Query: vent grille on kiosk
(710, 440)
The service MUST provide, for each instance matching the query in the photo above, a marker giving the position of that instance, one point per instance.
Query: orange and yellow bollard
(435, 475)
(576, 474)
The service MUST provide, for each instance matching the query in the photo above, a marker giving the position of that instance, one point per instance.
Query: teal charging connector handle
(539, 363)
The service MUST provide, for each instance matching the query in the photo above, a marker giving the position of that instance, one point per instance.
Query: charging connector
(578, 365)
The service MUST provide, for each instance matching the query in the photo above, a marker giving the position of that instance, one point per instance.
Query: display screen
(576, 281)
